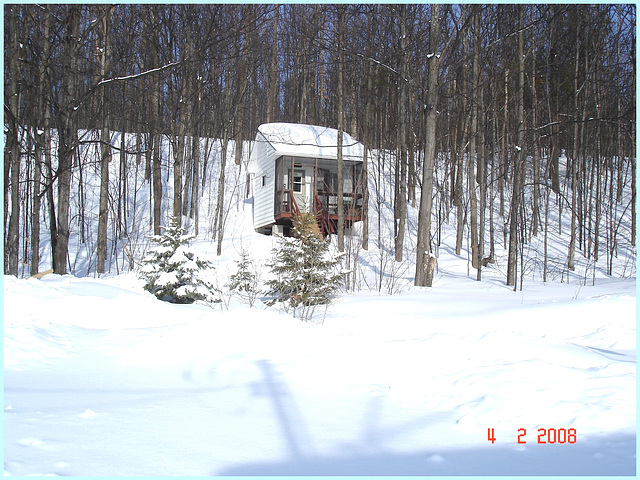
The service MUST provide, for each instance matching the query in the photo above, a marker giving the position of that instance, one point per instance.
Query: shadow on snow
(609, 455)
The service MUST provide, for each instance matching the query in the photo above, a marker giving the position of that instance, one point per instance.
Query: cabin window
(347, 180)
(264, 180)
(298, 178)
(332, 182)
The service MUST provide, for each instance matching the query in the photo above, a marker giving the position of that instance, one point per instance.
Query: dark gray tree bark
(273, 68)
(424, 262)
(12, 147)
(401, 138)
(105, 139)
(518, 168)
(43, 146)
(341, 11)
(67, 134)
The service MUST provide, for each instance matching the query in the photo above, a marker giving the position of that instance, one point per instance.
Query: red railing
(323, 216)
(295, 210)
(287, 207)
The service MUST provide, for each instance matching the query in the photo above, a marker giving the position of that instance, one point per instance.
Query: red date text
(545, 435)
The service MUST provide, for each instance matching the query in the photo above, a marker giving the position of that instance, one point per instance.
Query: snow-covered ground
(101, 378)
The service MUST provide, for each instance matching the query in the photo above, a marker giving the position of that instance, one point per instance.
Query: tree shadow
(608, 455)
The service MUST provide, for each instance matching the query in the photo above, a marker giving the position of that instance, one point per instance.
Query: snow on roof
(309, 141)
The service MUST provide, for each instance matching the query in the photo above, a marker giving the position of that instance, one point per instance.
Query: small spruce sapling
(244, 283)
(306, 275)
(174, 273)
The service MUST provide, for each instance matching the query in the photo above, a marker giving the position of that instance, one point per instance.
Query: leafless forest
(493, 115)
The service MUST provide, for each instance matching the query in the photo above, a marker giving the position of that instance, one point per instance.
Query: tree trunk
(471, 177)
(178, 167)
(481, 149)
(518, 165)
(535, 213)
(156, 174)
(458, 198)
(121, 219)
(67, 133)
(504, 152)
(633, 160)
(195, 197)
(574, 160)
(424, 262)
(105, 141)
(273, 69)
(51, 207)
(401, 140)
(188, 172)
(365, 198)
(37, 198)
(12, 150)
(367, 138)
(178, 162)
(155, 136)
(554, 163)
(341, 107)
(219, 215)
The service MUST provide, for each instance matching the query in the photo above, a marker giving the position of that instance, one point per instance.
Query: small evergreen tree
(244, 282)
(306, 275)
(175, 274)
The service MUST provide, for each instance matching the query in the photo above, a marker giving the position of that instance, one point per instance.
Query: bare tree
(176, 74)
(273, 68)
(341, 12)
(425, 263)
(12, 146)
(67, 133)
(105, 139)
(400, 201)
(518, 167)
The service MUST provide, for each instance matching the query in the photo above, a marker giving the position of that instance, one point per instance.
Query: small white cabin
(294, 169)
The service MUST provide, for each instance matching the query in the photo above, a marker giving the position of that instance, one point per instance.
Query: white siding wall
(263, 211)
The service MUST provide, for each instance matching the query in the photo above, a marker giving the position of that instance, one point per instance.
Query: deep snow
(101, 378)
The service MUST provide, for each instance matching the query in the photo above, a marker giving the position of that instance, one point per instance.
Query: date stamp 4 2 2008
(545, 435)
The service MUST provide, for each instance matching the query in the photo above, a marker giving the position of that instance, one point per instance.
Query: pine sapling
(244, 283)
(306, 274)
(174, 273)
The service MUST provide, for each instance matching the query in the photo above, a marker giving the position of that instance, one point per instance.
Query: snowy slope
(103, 379)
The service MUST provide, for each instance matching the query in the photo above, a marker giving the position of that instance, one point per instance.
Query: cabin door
(302, 178)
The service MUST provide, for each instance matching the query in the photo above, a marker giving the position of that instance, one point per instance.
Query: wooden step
(316, 229)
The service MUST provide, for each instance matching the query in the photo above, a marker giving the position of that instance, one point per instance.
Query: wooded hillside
(476, 103)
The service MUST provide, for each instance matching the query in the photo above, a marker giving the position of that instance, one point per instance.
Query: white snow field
(101, 378)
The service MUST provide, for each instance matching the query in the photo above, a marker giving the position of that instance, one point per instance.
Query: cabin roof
(309, 141)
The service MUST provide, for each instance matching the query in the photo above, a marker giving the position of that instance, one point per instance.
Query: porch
(311, 185)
